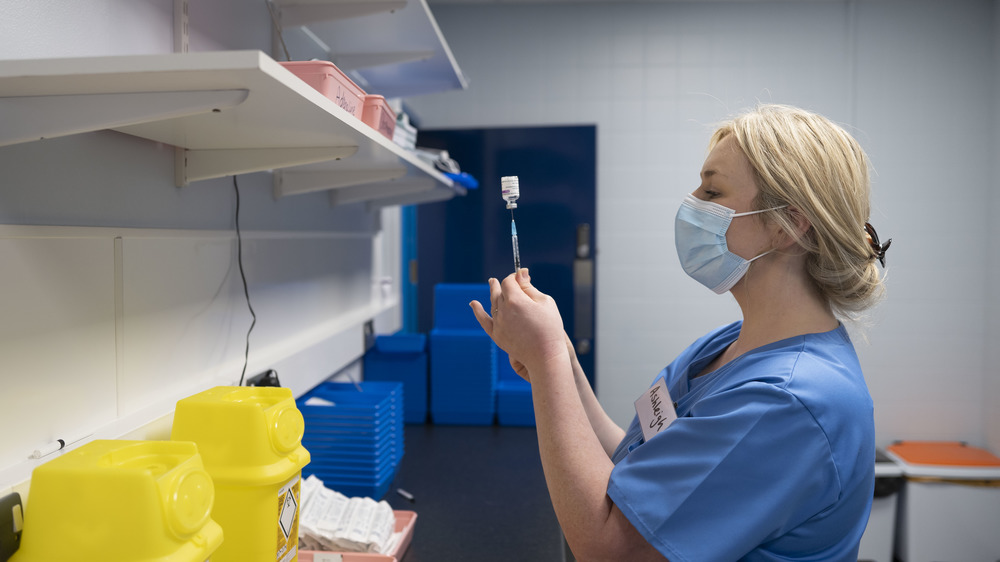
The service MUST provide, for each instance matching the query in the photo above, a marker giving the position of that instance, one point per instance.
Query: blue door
(467, 239)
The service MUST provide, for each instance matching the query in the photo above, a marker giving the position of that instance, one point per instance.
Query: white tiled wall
(914, 81)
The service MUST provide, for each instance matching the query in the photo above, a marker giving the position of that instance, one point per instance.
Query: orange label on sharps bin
(288, 519)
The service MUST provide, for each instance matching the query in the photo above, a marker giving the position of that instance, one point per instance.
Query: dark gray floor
(479, 495)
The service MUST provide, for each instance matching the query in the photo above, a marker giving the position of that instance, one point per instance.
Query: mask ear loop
(746, 275)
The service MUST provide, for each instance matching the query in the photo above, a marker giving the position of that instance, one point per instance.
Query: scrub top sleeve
(749, 466)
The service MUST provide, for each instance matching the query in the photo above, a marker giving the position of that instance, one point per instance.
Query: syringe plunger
(510, 190)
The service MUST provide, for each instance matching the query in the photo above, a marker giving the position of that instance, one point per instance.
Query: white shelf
(303, 12)
(397, 53)
(228, 112)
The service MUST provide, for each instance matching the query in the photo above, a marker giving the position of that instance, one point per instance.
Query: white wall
(121, 292)
(914, 81)
(992, 390)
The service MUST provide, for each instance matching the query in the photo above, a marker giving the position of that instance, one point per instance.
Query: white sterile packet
(330, 520)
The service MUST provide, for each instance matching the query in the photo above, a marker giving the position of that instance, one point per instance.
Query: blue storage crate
(463, 377)
(401, 357)
(464, 357)
(451, 305)
(514, 405)
(445, 416)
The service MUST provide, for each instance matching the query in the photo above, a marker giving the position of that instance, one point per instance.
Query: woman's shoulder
(787, 359)
(820, 371)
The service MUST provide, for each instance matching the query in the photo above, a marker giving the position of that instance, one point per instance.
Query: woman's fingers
(496, 295)
(484, 319)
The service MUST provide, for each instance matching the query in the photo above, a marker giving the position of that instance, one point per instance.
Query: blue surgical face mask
(700, 236)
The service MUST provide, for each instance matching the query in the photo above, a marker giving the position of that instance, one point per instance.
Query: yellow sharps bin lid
(116, 500)
(247, 435)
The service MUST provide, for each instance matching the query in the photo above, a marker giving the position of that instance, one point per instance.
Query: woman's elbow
(616, 541)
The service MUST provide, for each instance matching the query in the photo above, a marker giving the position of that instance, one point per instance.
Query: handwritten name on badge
(655, 410)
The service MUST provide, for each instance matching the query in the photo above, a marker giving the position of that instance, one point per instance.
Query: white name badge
(655, 410)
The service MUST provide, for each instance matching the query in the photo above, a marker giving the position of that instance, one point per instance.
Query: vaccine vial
(510, 191)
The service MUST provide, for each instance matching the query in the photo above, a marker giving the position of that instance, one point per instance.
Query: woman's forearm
(607, 431)
(574, 460)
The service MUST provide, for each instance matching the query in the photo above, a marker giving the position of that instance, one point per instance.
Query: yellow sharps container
(113, 500)
(251, 441)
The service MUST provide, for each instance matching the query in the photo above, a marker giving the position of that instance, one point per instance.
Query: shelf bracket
(195, 165)
(394, 188)
(439, 193)
(31, 118)
(354, 61)
(291, 182)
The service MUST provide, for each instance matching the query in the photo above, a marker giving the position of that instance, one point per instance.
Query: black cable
(243, 276)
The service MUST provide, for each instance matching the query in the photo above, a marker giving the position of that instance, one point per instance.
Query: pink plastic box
(405, 521)
(319, 556)
(379, 116)
(331, 82)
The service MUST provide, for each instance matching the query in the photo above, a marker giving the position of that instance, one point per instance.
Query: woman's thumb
(524, 281)
(523, 278)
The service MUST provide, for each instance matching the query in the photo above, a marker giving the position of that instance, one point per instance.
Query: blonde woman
(771, 454)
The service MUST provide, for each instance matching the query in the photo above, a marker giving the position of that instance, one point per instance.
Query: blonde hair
(805, 161)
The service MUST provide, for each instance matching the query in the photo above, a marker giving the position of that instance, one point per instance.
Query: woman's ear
(801, 227)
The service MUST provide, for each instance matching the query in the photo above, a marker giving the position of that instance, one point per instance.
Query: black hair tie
(878, 250)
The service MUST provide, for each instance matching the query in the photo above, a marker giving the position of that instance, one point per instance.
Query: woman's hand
(524, 322)
(519, 368)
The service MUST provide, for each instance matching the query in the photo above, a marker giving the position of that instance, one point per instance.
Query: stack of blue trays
(514, 406)
(462, 358)
(356, 443)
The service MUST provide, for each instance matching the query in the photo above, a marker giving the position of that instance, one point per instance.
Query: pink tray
(331, 82)
(379, 116)
(405, 521)
(314, 556)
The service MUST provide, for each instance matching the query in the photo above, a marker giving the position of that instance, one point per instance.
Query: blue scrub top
(772, 456)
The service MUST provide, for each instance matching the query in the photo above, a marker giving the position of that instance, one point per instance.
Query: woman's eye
(711, 194)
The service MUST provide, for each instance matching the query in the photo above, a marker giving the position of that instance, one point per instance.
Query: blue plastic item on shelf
(401, 357)
(464, 179)
(401, 342)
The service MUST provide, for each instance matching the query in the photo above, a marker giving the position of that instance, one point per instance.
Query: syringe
(510, 190)
(513, 240)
